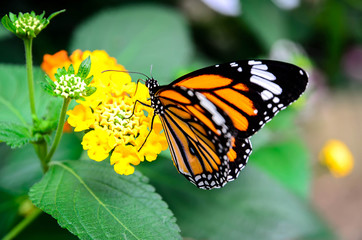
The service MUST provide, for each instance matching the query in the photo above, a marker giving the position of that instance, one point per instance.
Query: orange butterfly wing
(200, 136)
(208, 115)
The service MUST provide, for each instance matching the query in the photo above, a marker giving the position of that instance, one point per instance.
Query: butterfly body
(208, 115)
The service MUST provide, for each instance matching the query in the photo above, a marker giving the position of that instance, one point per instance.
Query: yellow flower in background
(337, 157)
(106, 114)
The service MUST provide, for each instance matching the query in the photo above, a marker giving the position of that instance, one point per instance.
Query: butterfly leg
(134, 107)
(153, 118)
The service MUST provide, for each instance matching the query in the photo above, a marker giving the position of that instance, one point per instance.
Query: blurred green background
(324, 37)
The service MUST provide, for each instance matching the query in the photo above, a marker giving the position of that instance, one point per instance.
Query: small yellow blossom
(98, 143)
(81, 118)
(337, 157)
(122, 158)
(107, 113)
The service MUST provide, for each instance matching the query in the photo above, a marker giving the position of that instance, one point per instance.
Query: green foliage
(138, 37)
(255, 206)
(268, 201)
(286, 161)
(265, 20)
(93, 202)
(14, 101)
(27, 25)
(84, 68)
(15, 135)
(20, 169)
(9, 205)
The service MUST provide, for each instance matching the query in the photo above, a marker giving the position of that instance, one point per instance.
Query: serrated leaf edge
(70, 170)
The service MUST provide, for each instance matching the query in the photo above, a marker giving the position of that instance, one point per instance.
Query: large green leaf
(254, 206)
(139, 36)
(8, 211)
(266, 20)
(15, 135)
(14, 98)
(20, 169)
(93, 202)
(286, 161)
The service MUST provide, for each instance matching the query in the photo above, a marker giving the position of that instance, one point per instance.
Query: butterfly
(209, 115)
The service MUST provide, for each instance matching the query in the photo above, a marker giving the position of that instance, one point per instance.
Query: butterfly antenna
(151, 70)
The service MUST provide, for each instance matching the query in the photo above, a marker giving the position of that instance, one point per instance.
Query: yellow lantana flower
(337, 157)
(107, 116)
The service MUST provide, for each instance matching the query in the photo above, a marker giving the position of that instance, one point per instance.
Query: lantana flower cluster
(106, 115)
(69, 84)
(27, 25)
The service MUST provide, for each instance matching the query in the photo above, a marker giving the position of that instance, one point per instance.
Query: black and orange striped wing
(201, 138)
(208, 115)
(250, 92)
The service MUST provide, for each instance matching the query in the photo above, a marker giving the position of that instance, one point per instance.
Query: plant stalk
(58, 134)
(28, 43)
(22, 225)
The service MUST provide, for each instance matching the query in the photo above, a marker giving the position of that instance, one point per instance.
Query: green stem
(41, 149)
(29, 69)
(58, 134)
(23, 224)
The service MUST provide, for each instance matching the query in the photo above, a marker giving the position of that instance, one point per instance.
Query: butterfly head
(152, 85)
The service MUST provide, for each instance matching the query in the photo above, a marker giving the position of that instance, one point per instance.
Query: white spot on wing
(276, 100)
(272, 87)
(253, 62)
(209, 106)
(240, 69)
(263, 74)
(266, 95)
(261, 67)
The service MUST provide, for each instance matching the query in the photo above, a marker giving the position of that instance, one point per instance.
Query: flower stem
(23, 224)
(29, 69)
(58, 134)
(41, 150)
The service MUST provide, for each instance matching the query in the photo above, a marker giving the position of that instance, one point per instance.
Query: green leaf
(286, 161)
(20, 169)
(93, 202)
(55, 14)
(139, 36)
(84, 68)
(6, 21)
(266, 20)
(90, 90)
(48, 85)
(15, 135)
(8, 211)
(70, 70)
(88, 80)
(254, 206)
(14, 100)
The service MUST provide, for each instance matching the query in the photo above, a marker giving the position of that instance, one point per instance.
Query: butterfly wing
(201, 138)
(250, 92)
